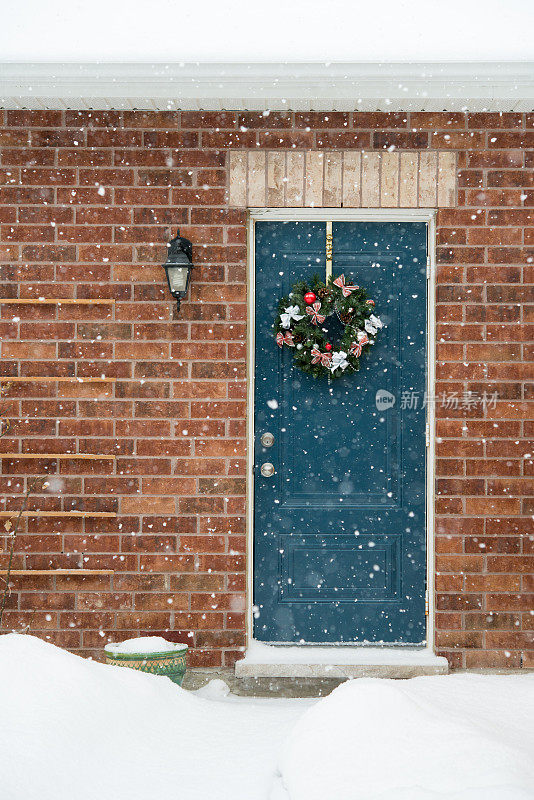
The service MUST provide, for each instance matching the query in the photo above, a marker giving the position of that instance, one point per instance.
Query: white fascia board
(301, 87)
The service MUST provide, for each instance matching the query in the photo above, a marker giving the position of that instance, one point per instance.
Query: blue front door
(340, 528)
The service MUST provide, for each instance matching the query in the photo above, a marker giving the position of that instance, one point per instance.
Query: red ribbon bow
(282, 339)
(356, 347)
(313, 312)
(346, 290)
(317, 357)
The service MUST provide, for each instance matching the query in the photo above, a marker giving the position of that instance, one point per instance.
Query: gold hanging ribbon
(328, 250)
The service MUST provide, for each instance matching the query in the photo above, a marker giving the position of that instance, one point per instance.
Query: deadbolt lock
(267, 439)
(267, 469)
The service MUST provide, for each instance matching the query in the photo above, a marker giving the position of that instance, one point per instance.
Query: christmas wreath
(302, 313)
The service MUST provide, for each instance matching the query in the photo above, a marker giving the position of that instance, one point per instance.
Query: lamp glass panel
(178, 278)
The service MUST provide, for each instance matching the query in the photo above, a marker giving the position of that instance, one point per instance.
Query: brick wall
(87, 202)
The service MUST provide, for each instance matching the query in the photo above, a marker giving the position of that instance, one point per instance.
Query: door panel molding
(348, 215)
(310, 546)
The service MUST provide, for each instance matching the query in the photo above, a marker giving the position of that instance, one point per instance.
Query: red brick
(83, 157)
(459, 602)
(200, 466)
(492, 505)
(463, 639)
(493, 197)
(509, 602)
(316, 119)
(176, 371)
(492, 583)
(31, 119)
(492, 659)
(431, 121)
(14, 138)
(492, 467)
(343, 139)
(410, 140)
(219, 139)
(511, 563)
(378, 120)
(494, 120)
(201, 505)
(510, 640)
(499, 140)
(161, 602)
(462, 563)
(141, 505)
(449, 583)
(511, 525)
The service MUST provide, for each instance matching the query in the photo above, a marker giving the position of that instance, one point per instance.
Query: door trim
(427, 215)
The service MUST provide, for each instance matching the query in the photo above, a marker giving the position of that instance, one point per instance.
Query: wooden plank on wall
(276, 170)
(295, 180)
(314, 179)
(446, 179)
(389, 180)
(256, 179)
(332, 180)
(428, 179)
(370, 180)
(101, 514)
(408, 169)
(44, 301)
(238, 179)
(52, 379)
(62, 456)
(351, 179)
(80, 571)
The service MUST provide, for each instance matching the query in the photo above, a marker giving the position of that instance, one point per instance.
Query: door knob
(267, 439)
(267, 469)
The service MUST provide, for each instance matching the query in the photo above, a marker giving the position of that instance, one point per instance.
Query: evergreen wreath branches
(305, 309)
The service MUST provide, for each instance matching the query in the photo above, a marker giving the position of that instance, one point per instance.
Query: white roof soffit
(446, 86)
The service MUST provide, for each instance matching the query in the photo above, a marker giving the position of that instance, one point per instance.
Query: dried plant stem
(13, 535)
(12, 530)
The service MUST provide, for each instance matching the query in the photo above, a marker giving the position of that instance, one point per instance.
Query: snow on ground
(73, 729)
(459, 737)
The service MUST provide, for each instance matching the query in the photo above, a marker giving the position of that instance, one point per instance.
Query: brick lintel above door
(341, 179)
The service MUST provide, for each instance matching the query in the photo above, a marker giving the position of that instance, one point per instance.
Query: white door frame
(427, 215)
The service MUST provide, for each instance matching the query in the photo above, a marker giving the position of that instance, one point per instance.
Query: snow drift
(73, 729)
(460, 737)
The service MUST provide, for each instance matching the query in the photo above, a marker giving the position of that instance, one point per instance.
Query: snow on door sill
(306, 661)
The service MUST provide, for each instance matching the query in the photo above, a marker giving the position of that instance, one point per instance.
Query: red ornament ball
(328, 347)
(310, 298)
(370, 302)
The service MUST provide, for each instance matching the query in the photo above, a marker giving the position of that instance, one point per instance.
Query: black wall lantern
(178, 266)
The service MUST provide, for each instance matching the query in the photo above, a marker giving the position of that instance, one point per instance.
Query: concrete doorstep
(285, 671)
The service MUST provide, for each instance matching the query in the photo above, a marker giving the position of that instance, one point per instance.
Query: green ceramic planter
(171, 663)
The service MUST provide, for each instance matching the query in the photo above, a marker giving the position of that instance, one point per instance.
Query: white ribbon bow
(339, 360)
(372, 324)
(376, 321)
(291, 312)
